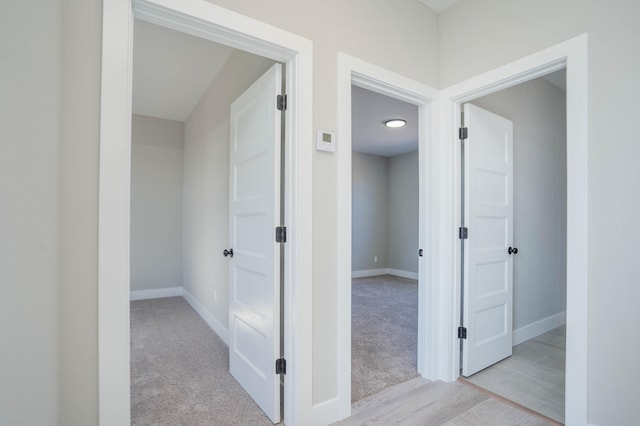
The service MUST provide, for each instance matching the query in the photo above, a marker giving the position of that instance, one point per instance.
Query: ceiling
(171, 70)
(369, 111)
(439, 5)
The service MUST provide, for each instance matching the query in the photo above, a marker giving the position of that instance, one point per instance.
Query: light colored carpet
(384, 333)
(180, 370)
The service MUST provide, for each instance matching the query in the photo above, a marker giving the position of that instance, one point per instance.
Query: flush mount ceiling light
(395, 122)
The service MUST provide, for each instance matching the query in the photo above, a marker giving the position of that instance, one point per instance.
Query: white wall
(402, 226)
(156, 203)
(384, 212)
(206, 186)
(479, 36)
(538, 112)
(30, 83)
(369, 211)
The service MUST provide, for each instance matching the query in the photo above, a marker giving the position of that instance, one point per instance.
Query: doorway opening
(211, 22)
(514, 206)
(354, 75)
(193, 100)
(385, 252)
(572, 56)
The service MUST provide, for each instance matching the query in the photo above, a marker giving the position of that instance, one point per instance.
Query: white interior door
(488, 266)
(254, 213)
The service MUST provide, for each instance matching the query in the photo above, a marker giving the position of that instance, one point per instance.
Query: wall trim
(539, 327)
(212, 321)
(384, 271)
(155, 293)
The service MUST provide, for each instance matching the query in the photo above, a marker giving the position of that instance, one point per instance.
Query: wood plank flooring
(533, 376)
(423, 402)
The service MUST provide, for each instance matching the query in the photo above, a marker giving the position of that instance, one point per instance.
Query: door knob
(228, 252)
(512, 250)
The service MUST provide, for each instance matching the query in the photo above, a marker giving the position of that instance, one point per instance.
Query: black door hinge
(463, 133)
(463, 232)
(420, 252)
(281, 366)
(282, 102)
(462, 332)
(281, 234)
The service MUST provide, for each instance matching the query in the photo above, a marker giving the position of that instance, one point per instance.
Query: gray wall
(384, 212)
(538, 111)
(385, 25)
(519, 28)
(206, 185)
(438, 51)
(403, 212)
(369, 211)
(156, 202)
(30, 84)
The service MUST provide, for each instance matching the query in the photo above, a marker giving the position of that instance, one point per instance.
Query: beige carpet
(180, 370)
(384, 333)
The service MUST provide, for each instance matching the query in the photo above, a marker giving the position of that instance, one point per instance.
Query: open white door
(254, 213)
(488, 264)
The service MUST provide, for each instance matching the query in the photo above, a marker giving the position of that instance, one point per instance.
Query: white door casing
(488, 267)
(254, 268)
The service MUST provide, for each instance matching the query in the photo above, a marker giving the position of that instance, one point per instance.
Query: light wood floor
(533, 376)
(423, 402)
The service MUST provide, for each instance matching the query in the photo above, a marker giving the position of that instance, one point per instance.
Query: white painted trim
(403, 274)
(204, 19)
(572, 54)
(324, 412)
(155, 293)
(384, 271)
(369, 273)
(216, 326)
(539, 327)
(354, 71)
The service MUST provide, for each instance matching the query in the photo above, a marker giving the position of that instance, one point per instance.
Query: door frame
(353, 71)
(572, 55)
(212, 22)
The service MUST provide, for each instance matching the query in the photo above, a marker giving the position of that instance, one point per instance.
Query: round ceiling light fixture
(395, 123)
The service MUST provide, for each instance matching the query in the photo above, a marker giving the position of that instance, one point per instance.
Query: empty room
(384, 242)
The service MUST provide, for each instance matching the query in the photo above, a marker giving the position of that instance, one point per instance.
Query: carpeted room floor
(180, 369)
(384, 333)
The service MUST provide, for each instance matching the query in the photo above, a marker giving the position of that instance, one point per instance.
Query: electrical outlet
(375, 259)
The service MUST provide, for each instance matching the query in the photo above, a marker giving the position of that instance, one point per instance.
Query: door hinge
(463, 232)
(462, 332)
(463, 133)
(281, 234)
(282, 102)
(281, 366)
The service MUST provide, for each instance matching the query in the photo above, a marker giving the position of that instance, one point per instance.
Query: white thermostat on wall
(326, 141)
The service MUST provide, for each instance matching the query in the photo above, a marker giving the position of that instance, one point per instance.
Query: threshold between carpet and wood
(384, 333)
(180, 370)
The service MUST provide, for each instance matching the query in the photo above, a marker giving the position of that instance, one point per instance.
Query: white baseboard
(403, 274)
(537, 328)
(216, 326)
(327, 412)
(384, 271)
(156, 293)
